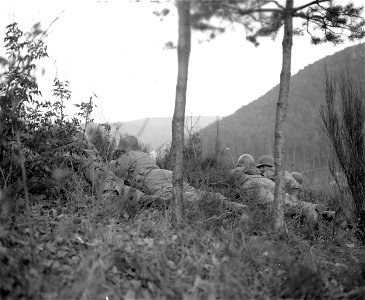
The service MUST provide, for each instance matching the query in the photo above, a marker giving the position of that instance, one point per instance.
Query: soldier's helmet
(297, 176)
(265, 160)
(127, 143)
(80, 136)
(245, 160)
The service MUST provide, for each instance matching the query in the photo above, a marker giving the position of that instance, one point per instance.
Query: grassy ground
(89, 249)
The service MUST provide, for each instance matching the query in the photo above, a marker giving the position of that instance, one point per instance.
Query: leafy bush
(34, 131)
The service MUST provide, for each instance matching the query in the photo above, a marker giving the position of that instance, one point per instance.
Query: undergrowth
(58, 240)
(86, 249)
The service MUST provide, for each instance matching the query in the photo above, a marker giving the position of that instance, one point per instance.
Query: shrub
(33, 130)
(343, 123)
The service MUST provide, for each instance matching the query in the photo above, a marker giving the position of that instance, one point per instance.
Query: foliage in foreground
(87, 249)
(32, 129)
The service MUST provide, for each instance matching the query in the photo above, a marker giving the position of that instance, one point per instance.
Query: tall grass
(343, 119)
(103, 140)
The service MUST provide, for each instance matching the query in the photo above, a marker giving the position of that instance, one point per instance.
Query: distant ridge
(250, 129)
(157, 132)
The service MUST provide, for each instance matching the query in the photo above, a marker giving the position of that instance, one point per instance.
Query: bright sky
(115, 50)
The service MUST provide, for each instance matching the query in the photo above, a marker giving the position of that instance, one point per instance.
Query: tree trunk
(177, 145)
(281, 109)
(217, 143)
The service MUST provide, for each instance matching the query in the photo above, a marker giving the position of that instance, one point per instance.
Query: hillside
(251, 128)
(157, 131)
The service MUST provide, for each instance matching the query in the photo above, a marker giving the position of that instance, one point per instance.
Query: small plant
(103, 139)
(86, 109)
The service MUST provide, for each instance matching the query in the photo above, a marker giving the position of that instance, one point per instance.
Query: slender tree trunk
(217, 143)
(177, 145)
(281, 109)
(26, 195)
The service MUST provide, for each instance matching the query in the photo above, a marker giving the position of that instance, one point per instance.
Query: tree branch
(278, 4)
(251, 10)
(309, 4)
(260, 9)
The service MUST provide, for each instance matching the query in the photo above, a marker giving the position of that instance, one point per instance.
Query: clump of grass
(343, 123)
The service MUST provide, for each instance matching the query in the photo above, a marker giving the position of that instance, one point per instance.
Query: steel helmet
(127, 143)
(80, 136)
(245, 160)
(297, 176)
(265, 160)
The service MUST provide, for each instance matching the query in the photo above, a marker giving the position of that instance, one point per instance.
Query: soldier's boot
(329, 215)
(149, 201)
(235, 206)
(230, 205)
(145, 201)
(312, 216)
(325, 213)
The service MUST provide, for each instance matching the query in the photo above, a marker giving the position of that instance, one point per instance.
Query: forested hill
(251, 128)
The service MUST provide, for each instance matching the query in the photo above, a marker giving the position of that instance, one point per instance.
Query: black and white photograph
(182, 149)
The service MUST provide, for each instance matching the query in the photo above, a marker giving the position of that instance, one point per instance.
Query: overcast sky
(115, 50)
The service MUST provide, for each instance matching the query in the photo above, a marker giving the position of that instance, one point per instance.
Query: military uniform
(245, 170)
(290, 184)
(264, 189)
(96, 172)
(139, 170)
